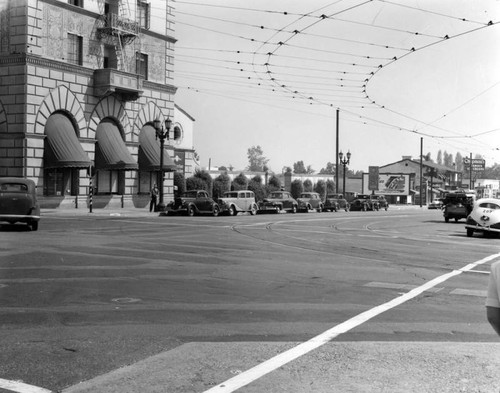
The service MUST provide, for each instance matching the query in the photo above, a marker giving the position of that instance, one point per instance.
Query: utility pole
(337, 157)
(421, 164)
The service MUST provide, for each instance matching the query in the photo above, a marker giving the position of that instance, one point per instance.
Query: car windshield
(14, 187)
(305, 195)
(276, 195)
(489, 205)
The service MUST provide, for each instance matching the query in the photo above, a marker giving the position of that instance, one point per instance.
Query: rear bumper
(19, 218)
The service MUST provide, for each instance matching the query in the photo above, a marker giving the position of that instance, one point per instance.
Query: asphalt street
(129, 301)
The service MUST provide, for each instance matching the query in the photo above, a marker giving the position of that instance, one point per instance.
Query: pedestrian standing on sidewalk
(493, 297)
(154, 197)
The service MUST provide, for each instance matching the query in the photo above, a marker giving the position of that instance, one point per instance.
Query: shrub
(330, 186)
(308, 186)
(258, 188)
(296, 188)
(206, 178)
(320, 188)
(180, 183)
(195, 183)
(274, 183)
(240, 182)
(221, 184)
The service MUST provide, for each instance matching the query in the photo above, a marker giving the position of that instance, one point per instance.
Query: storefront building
(81, 83)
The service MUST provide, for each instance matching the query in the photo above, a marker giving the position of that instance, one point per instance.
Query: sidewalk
(100, 212)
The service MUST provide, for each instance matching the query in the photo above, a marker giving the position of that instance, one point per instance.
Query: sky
(276, 73)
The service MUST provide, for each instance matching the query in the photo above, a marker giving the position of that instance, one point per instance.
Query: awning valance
(62, 148)
(149, 152)
(111, 153)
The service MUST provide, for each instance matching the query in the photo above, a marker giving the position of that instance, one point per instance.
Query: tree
(257, 161)
(439, 158)
(329, 169)
(459, 162)
(310, 170)
(447, 160)
(240, 182)
(296, 188)
(222, 183)
(299, 167)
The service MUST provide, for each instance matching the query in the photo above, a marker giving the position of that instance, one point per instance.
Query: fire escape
(117, 30)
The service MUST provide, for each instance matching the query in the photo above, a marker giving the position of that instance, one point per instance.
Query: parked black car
(365, 202)
(334, 202)
(193, 202)
(18, 201)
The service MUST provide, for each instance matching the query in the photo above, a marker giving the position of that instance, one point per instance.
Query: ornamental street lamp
(344, 161)
(162, 133)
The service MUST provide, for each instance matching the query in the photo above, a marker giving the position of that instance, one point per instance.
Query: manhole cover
(125, 300)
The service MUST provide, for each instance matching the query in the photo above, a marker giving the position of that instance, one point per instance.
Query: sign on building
(388, 184)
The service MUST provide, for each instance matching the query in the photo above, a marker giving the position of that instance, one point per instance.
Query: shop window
(75, 49)
(61, 181)
(110, 182)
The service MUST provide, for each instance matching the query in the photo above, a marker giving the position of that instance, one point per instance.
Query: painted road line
(280, 360)
(21, 387)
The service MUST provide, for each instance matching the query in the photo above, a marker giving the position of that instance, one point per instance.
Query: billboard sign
(388, 184)
(373, 178)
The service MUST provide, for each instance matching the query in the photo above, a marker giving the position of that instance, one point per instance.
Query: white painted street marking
(21, 387)
(280, 360)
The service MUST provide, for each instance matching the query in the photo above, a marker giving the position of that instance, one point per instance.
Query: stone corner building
(81, 82)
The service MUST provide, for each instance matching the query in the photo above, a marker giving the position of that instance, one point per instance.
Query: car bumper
(482, 228)
(19, 217)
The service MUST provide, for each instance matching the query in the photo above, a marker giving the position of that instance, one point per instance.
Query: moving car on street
(435, 204)
(278, 201)
(484, 217)
(234, 202)
(18, 201)
(457, 205)
(334, 202)
(382, 202)
(310, 200)
(193, 202)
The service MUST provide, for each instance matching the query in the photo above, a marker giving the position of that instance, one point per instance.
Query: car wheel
(456, 219)
(34, 225)
(320, 208)
(294, 209)
(387, 207)
(190, 211)
(470, 232)
(446, 219)
(232, 211)
(365, 208)
(215, 212)
(253, 210)
(277, 209)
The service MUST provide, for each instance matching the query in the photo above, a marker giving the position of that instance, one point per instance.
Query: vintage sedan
(234, 202)
(365, 202)
(484, 217)
(193, 202)
(335, 202)
(18, 201)
(278, 201)
(309, 201)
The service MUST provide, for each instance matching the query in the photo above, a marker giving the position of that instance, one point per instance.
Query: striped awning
(149, 152)
(62, 147)
(111, 153)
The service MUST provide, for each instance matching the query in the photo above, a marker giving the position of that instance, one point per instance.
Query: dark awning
(111, 153)
(149, 152)
(62, 148)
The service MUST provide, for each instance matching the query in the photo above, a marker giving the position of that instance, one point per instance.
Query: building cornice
(24, 58)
